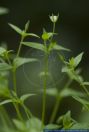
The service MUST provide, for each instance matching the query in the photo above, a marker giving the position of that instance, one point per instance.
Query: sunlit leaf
(17, 29)
(20, 61)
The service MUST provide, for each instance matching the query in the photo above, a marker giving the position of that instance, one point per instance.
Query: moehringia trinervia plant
(9, 64)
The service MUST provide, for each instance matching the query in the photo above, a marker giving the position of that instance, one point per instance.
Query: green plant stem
(15, 89)
(44, 92)
(18, 111)
(27, 111)
(20, 46)
(57, 104)
(58, 100)
(14, 80)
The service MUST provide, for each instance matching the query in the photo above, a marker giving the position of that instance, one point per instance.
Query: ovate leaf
(34, 45)
(20, 61)
(17, 29)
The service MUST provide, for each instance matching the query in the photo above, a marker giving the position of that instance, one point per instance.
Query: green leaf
(67, 120)
(4, 92)
(60, 48)
(17, 29)
(34, 45)
(80, 126)
(35, 124)
(5, 102)
(52, 126)
(81, 100)
(70, 92)
(2, 50)
(78, 59)
(26, 96)
(52, 91)
(84, 102)
(31, 34)
(20, 125)
(20, 61)
(3, 10)
(86, 83)
(5, 66)
(27, 25)
(44, 74)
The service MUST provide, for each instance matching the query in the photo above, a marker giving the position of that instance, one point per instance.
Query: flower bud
(54, 18)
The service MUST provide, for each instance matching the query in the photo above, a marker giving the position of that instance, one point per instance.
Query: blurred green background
(73, 29)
